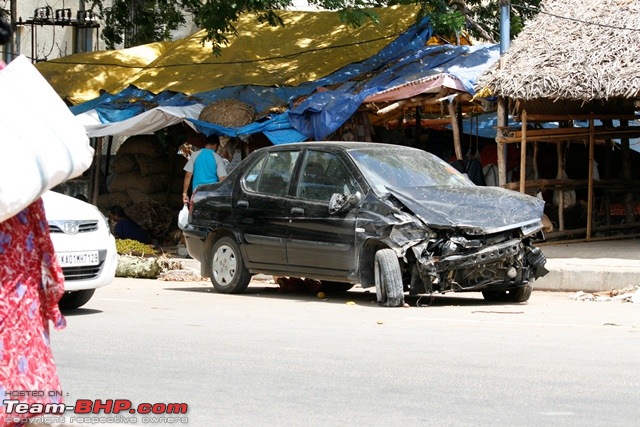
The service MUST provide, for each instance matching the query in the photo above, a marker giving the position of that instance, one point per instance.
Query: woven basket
(229, 113)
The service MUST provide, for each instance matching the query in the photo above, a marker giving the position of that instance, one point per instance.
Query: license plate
(71, 259)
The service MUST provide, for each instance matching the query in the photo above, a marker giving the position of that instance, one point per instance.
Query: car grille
(82, 273)
(84, 226)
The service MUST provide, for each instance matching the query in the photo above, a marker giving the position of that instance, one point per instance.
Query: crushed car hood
(486, 209)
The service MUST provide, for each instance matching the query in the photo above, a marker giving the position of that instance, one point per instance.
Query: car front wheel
(388, 279)
(519, 294)
(228, 273)
(75, 299)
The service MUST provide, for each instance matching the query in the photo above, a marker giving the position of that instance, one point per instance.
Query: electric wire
(531, 9)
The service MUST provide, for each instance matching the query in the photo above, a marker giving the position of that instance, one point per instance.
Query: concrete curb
(588, 275)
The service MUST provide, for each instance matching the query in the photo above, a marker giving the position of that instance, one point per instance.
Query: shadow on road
(356, 296)
(79, 312)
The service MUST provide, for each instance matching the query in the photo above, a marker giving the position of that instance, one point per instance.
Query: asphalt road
(272, 358)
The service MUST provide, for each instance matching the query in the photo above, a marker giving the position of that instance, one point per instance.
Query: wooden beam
(97, 164)
(501, 147)
(523, 151)
(560, 153)
(561, 118)
(456, 129)
(562, 134)
(536, 173)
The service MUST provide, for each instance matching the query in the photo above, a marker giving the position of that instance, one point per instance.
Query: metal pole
(505, 25)
(13, 46)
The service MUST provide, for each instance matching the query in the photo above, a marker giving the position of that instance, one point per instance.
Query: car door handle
(242, 204)
(297, 211)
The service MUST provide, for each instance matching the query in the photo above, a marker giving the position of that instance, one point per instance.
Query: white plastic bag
(42, 144)
(183, 217)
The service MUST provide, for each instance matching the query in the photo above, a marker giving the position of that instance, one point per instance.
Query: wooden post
(456, 129)
(560, 152)
(629, 205)
(606, 203)
(592, 140)
(97, 164)
(536, 172)
(523, 152)
(418, 128)
(502, 158)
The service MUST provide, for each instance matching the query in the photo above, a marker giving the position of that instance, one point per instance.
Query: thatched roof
(563, 54)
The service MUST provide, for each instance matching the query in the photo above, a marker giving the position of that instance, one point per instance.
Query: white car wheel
(228, 273)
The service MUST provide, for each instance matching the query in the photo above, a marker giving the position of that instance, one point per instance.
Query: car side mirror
(340, 202)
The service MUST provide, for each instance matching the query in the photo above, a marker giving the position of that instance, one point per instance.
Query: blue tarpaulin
(322, 110)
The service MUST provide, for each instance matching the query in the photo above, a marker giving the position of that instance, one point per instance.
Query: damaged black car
(382, 215)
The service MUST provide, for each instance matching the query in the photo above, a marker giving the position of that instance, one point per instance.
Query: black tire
(388, 279)
(75, 299)
(228, 273)
(336, 286)
(519, 294)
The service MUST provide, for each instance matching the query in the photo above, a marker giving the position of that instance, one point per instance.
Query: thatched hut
(575, 62)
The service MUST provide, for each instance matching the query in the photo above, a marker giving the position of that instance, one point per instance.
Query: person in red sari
(31, 284)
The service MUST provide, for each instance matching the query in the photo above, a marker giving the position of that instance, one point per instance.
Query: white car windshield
(406, 168)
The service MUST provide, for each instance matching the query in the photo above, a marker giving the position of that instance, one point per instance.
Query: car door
(260, 208)
(316, 239)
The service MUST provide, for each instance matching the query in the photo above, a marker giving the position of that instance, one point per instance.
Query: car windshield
(404, 168)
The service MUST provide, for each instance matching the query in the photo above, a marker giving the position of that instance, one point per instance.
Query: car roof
(335, 145)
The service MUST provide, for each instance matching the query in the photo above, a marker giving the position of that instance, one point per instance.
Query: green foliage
(135, 22)
(487, 14)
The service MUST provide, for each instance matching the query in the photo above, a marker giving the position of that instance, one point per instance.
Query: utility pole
(503, 121)
(12, 45)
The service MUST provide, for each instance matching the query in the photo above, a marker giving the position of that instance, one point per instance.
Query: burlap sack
(135, 181)
(108, 200)
(142, 144)
(138, 196)
(124, 163)
(150, 165)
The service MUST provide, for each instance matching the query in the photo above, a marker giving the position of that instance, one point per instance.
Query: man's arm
(185, 187)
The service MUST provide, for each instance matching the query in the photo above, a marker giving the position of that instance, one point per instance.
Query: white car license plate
(73, 259)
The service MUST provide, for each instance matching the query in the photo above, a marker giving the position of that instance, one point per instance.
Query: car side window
(252, 176)
(322, 175)
(275, 176)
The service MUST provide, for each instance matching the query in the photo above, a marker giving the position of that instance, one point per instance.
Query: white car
(85, 247)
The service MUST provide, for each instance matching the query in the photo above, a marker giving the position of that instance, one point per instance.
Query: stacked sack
(141, 170)
(147, 182)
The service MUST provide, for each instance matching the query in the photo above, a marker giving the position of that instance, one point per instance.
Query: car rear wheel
(75, 299)
(519, 294)
(228, 273)
(388, 279)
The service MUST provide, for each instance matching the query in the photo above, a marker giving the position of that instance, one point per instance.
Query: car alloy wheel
(228, 273)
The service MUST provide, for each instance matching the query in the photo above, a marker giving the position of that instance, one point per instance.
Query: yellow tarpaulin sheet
(310, 46)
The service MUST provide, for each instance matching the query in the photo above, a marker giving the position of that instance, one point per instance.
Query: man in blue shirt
(204, 166)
